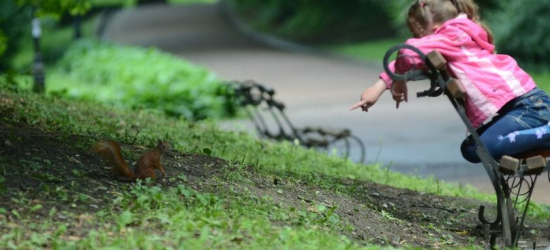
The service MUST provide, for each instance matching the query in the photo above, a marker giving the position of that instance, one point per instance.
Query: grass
(374, 51)
(185, 219)
(542, 80)
(144, 216)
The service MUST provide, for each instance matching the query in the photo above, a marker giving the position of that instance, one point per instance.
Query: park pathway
(422, 136)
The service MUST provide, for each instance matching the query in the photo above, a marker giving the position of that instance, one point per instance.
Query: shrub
(14, 23)
(521, 29)
(140, 78)
(316, 21)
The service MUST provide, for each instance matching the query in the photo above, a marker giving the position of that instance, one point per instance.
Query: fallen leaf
(83, 218)
(72, 159)
(12, 225)
(74, 238)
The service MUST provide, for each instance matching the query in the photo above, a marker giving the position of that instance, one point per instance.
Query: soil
(35, 163)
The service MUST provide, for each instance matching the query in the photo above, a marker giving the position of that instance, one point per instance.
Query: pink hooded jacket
(490, 80)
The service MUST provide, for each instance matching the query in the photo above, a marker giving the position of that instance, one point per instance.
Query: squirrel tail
(110, 151)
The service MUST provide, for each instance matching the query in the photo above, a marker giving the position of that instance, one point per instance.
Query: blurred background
(174, 56)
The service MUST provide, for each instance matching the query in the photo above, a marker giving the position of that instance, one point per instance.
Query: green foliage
(3, 43)
(57, 8)
(191, 1)
(55, 40)
(130, 3)
(332, 20)
(310, 20)
(14, 22)
(139, 78)
(521, 29)
(16, 15)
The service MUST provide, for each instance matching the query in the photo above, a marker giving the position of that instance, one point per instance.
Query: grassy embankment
(228, 208)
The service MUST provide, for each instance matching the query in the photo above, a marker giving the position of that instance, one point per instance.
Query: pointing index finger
(357, 105)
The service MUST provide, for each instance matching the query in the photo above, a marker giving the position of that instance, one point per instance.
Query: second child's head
(425, 16)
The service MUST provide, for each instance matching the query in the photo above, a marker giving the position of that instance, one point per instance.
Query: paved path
(421, 137)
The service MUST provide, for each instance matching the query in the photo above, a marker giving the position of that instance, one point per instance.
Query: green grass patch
(148, 217)
(373, 51)
(139, 78)
(542, 80)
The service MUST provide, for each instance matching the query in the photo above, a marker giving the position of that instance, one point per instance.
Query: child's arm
(408, 59)
(370, 96)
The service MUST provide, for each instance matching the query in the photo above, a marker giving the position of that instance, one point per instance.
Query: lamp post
(38, 65)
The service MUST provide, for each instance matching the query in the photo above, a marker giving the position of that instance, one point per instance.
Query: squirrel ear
(159, 141)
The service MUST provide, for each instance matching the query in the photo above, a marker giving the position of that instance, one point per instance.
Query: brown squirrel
(146, 165)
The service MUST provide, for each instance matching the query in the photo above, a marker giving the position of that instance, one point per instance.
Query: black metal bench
(513, 187)
(268, 116)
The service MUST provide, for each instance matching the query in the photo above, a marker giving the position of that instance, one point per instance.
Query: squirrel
(146, 165)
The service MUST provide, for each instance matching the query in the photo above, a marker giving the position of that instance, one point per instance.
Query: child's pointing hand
(370, 96)
(399, 92)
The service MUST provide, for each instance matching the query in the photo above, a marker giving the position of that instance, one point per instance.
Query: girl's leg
(521, 141)
(492, 138)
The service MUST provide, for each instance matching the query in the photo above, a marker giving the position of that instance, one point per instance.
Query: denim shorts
(527, 111)
(530, 110)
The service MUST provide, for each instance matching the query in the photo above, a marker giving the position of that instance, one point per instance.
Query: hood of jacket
(474, 30)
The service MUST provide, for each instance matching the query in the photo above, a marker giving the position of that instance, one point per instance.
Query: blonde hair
(425, 13)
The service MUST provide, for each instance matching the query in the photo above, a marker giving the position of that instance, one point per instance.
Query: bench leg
(523, 189)
(504, 223)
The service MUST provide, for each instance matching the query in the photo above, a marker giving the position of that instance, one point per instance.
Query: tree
(16, 15)
(521, 29)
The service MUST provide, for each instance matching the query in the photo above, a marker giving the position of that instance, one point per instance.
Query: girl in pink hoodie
(502, 101)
